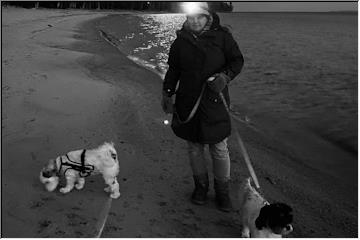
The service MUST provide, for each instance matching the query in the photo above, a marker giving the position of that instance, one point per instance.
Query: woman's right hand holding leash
(218, 82)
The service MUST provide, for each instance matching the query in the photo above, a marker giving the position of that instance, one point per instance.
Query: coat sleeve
(234, 57)
(173, 73)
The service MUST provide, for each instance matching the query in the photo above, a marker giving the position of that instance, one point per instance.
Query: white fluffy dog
(260, 218)
(78, 164)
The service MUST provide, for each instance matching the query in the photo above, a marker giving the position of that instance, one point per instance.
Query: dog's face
(48, 176)
(277, 217)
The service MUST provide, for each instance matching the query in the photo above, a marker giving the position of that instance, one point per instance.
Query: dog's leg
(115, 189)
(245, 233)
(107, 189)
(80, 183)
(113, 186)
(70, 181)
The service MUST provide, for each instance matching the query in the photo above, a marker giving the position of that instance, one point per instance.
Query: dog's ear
(51, 164)
(263, 218)
(280, 218)
(286, 230)
(50, 169)
(109, 143)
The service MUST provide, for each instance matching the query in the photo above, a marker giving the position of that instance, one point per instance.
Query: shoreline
(106, 96)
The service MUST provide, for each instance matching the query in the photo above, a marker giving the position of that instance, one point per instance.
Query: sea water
(298, 66)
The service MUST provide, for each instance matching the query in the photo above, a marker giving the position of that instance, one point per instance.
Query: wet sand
(65, 88)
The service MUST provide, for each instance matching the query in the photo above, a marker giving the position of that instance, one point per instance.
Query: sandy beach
(65, 88)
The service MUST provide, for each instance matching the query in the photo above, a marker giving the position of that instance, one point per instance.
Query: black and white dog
(260, 218)
(78, 164)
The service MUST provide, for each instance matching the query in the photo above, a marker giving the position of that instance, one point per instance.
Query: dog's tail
(245, 189)
(247, 183)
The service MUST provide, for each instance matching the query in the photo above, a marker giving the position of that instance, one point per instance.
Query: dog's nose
(47, 174)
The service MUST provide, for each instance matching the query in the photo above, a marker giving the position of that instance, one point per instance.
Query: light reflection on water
(158, 33)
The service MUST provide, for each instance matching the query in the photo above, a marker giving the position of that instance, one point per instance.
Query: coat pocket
(212, 108)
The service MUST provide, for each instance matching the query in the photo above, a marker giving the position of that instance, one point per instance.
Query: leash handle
(242, 145)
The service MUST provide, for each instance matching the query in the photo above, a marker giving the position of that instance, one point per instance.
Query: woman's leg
(197, 159)
(221, 160)
(200, 175)
(221, 167)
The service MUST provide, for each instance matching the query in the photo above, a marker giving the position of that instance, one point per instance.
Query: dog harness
(84, 170)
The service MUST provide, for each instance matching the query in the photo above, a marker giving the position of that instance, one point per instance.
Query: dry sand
(65, 88)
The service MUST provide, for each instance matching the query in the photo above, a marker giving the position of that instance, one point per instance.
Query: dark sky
(269, 6)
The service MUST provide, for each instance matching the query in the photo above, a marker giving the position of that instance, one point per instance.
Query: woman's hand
(218, 82)
(167, 103)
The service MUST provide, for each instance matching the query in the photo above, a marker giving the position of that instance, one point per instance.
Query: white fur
(251, 206)
(102, 158)
(50, 183)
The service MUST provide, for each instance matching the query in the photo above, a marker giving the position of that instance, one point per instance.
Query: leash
(241, 144)
(99, 227)
(193, 111)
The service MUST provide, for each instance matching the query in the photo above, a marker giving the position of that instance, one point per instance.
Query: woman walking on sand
(203, 51)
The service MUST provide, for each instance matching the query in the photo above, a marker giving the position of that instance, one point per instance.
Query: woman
(203, 51)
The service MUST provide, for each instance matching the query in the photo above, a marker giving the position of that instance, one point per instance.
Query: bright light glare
(166, 122)
(191, 7)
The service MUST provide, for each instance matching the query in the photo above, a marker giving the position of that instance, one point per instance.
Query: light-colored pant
(220, 159)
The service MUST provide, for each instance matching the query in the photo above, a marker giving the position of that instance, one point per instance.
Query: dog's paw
(64, 190)
(107, 189)
(79, 186)
(245, 234)
(115, 195)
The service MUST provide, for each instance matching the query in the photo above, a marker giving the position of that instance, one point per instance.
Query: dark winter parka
(192, 60)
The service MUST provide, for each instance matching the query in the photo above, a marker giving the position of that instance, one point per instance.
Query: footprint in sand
(6, 62)
(76, 208)
(30, 91)
(47, 198)
(189, 211)
(75, 220)
(40, 77)
(113, 229)
(153, 221)
(5, 88)
(140, 196)
(59, 233)
(126, 204)
(78, 234)
(36, 204)
(43, 224)
(162, 204)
